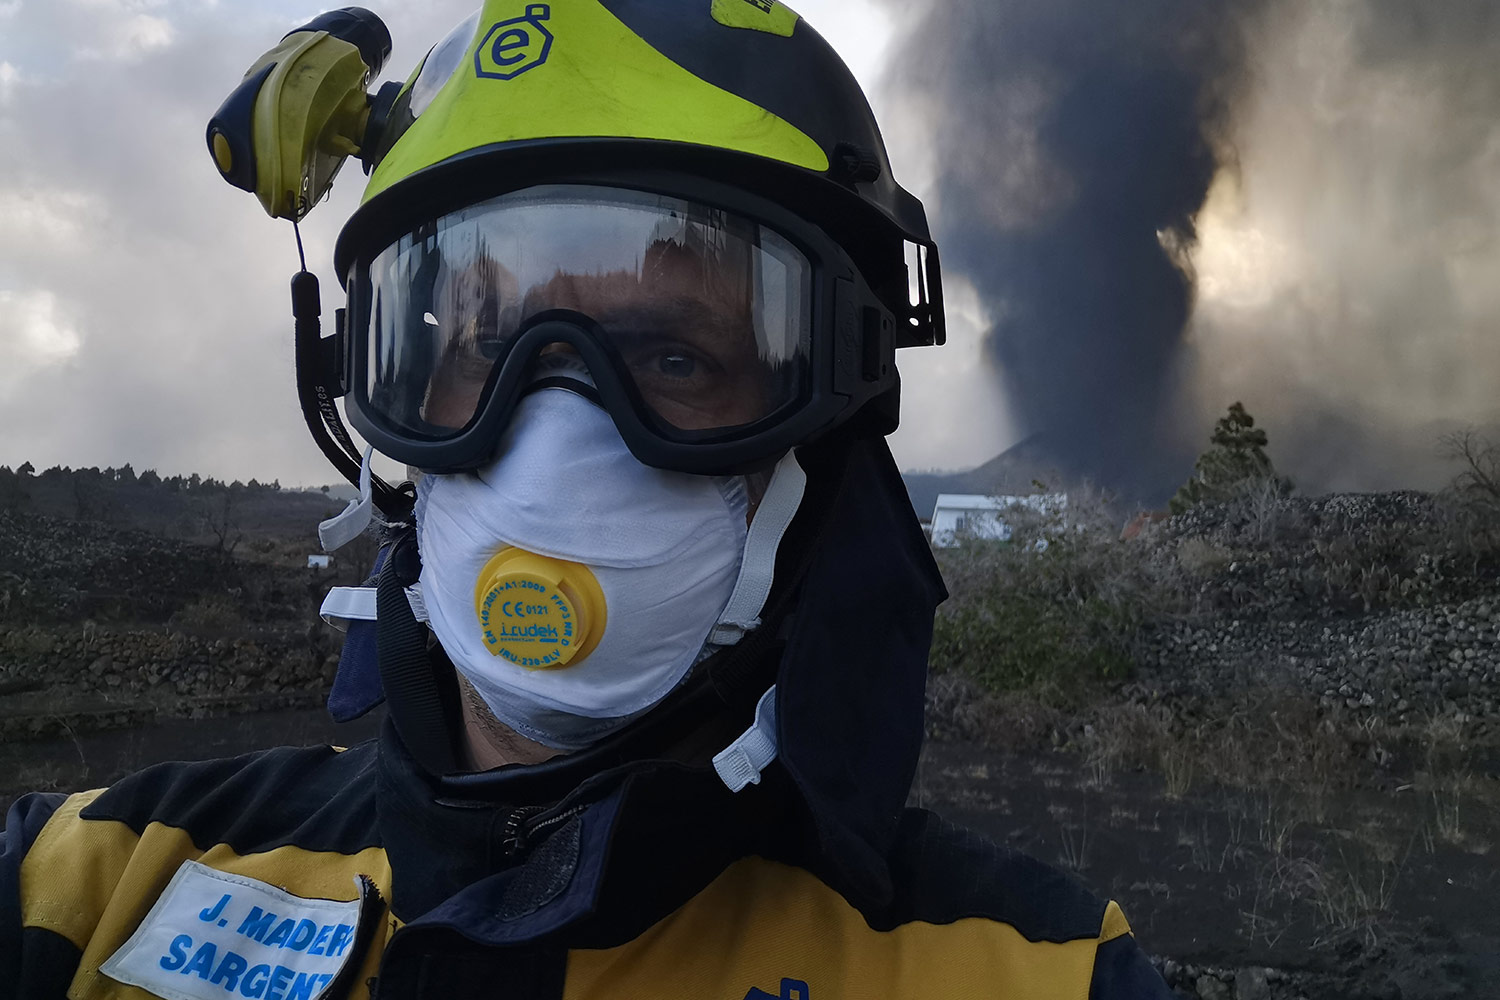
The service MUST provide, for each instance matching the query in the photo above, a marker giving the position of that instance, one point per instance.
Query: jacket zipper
(523, 826)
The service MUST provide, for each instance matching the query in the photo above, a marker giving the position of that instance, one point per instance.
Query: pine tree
(1236, 463)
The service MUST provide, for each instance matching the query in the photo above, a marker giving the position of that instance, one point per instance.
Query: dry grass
(1446, 776)
(1177, 767)
(1074, 840)
(1201, 557)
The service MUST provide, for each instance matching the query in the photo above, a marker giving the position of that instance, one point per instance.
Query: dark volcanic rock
(1373, 603)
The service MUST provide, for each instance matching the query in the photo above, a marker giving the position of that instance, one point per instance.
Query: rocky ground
(1385, 604)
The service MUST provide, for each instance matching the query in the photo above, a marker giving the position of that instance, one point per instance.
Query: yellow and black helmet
(744, 92)
(721, 142)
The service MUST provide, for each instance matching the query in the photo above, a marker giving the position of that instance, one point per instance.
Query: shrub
(1061, 604)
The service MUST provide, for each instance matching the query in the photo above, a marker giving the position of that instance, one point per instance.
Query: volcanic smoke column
(1071, 148)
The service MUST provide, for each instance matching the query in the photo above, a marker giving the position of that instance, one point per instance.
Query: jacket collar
(587, 869)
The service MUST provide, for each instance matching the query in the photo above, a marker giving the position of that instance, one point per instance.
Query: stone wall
(55, 681)
(135, 662)
(1384, 604)
(103, 627)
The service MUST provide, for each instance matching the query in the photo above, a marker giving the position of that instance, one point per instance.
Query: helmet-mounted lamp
(302, 110)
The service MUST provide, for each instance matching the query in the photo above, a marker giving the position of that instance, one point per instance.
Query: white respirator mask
(575, 587)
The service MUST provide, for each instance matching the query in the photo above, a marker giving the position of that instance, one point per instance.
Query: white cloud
(34, 335)
(133, 37)
(859, 32)
(118, 6)
(10, 82)
(39, 218)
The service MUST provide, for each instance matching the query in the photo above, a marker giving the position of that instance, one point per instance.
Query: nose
(560, 364)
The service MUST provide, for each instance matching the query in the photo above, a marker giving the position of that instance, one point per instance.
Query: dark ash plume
(1072, 148)
(1349, 263)
(1167, 205)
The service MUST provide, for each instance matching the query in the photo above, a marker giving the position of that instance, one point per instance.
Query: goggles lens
(708, 314)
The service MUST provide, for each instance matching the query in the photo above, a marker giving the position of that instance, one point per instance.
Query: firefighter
(651, 626)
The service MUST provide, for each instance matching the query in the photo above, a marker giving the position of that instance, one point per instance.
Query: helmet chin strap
(317, 388)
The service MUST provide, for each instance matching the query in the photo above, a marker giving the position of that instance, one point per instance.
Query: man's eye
(675, 365)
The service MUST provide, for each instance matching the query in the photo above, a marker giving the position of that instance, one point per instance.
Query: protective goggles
(717, 333)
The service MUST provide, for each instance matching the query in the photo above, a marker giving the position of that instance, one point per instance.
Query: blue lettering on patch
(202, 962)
(255, 982)
(210, 915)
(176, 956)
(281, 933)
(256, 924)
(231, 967)
(257, 941)
(281, 977)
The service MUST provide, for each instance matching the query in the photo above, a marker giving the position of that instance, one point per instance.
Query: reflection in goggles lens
(708, 312)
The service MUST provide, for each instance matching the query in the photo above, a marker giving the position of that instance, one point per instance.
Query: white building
(958, 516)
(319, 561)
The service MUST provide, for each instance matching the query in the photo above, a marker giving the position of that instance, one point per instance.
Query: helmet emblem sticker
(512, 47)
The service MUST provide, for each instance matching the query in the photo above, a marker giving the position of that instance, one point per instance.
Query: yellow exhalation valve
(301, 111)
(538, 612)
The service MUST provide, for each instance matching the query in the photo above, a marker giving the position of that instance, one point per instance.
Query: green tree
(1236, 463)
(13, 495)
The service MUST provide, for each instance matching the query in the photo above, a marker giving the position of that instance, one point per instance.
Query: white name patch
(213, 936)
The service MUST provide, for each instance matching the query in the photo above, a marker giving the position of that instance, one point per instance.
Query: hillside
(1013, 472)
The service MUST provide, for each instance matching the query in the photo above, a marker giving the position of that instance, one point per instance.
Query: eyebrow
(684, 310)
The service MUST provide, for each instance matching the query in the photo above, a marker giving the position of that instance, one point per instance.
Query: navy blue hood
(845, 639)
